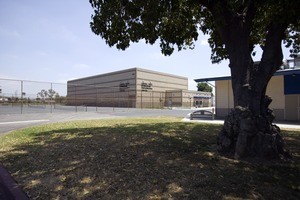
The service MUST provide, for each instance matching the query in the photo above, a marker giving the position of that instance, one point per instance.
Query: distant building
(136, 88)
(283, 88)
(291, 63)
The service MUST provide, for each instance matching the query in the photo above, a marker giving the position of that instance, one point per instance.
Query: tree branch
(272, 55)
(249, 12)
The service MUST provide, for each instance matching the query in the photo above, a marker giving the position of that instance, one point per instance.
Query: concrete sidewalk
(282, 125)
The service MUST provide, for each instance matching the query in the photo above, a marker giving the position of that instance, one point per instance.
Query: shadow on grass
(143, 161)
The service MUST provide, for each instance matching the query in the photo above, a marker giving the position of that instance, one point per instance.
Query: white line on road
(25, 122)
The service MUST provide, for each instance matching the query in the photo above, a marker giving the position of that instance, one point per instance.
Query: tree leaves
(204, 87)
(45, 94)
(176, 23)
(121, 22)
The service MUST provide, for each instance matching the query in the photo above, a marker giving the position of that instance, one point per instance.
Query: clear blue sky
(51, 40)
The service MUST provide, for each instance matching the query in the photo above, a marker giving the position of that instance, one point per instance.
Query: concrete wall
(292, 108)
(224, 98)
(174, 98)
(160, 83)
(285, 107)
(187, 98)
(275, 90)
(104, 89)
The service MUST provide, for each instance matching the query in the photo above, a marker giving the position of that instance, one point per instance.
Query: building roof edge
(126, 70)
(222, 78)
(104, 74)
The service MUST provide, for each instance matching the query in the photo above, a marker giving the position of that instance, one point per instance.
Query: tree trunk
(249, 130)
(246, 134)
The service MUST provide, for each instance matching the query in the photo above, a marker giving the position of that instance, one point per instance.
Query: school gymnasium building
(135, 88)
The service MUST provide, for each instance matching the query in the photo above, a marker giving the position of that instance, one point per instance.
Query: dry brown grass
(157, 158)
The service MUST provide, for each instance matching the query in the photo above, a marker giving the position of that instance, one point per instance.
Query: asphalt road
(11, 121)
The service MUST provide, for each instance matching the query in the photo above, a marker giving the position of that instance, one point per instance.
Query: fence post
(51, 99)
(21, 97)
(114, 99)
(75, 100)
(96, 102)
(128, 100)
(141, 99)
(152, 103)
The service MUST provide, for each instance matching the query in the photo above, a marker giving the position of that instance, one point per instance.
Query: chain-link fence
(20, 96)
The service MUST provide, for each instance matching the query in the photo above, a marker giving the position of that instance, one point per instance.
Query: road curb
(9, 189)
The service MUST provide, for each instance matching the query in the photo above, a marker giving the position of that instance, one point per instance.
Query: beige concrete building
(137, 88)
(283, 88)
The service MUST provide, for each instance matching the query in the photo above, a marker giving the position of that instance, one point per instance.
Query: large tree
(234, 27)
(204, 87)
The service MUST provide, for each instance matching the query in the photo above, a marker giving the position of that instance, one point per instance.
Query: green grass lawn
(145, 158)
